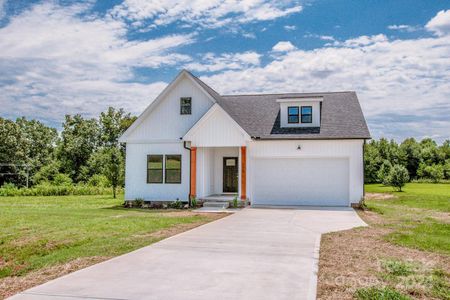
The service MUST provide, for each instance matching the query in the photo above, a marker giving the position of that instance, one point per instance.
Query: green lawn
(419, 216)
(39, 232)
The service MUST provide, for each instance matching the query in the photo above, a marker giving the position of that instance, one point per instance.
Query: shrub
(434, 172)
(99, 180)
(61, 179)
(376, 293)
(47, 173)
(47, 189)
(138, 202)
(383, 172)
(235, 202)
(194, 202)
(397, 177)
(176, 204)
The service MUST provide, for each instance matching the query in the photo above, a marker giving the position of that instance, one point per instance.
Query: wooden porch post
(243, 173)
(193, 180)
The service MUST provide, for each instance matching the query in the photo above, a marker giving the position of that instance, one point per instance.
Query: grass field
(403, 254)
(38, 233)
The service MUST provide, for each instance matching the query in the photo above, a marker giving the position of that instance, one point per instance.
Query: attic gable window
(306, 114)
(185, 105)
(293, 114)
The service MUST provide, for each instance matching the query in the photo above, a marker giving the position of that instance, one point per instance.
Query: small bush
(99, 180)
(235, 202)
(176, 204)
(398, 176)
(194, 202)
(62, 180)
(377, 293)
(138, 202)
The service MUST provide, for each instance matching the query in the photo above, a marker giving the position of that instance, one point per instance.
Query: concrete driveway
(252, 254)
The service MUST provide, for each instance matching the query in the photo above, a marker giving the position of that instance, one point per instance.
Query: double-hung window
(154, 168)
(173, 168)
(185, 105)
(306, 114)
(293, 114)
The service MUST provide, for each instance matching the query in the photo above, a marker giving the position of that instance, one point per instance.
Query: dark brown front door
(230, 174)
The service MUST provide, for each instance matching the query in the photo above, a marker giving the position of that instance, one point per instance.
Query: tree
(433, 172)
(410, 150)
(398, 176)
(114, 169)
(383, 172)
(372, 162)
(79, 139)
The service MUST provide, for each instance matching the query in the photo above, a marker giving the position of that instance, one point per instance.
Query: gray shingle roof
(259, 115)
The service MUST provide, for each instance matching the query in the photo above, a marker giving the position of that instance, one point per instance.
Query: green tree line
(422, 160)
(86, 151)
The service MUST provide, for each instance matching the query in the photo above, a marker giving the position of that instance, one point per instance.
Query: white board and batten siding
(320, 173)
(160, 132)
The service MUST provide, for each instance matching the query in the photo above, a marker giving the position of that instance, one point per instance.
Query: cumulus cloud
(204, 13)
(283, 46)
(402, 84)
(55, 62)
(227, 61)
(440, 24)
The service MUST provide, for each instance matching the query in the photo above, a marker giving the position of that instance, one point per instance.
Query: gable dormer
(300, 112)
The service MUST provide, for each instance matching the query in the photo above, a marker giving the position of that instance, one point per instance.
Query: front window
(173, 168)
(154, 169)
(293, 114)
(185, 105)
(306, 114)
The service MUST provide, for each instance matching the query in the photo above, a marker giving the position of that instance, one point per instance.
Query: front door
(230, 174)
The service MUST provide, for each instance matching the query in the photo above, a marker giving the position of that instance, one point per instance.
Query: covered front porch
(218, 162)
(218, 173)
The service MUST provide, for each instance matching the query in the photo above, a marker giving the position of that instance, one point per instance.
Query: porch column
(193, 181)
(243, 173)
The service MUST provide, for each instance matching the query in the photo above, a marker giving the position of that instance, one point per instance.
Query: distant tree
(79, 139)
(383, 172)
(434, 172)
(398, 176)
(372, 162)
(114, 168)
(47, 173)
(410, 150)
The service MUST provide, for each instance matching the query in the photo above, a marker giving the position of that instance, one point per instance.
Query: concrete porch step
(220, 204)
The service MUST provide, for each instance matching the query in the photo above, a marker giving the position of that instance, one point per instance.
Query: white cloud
(440, 24)
(54, 62)
(2, 8)
(204, 13)
(402, 84)
(290, 27)
(321, 37)
(226, 61)
(403, 27)
(283, 46)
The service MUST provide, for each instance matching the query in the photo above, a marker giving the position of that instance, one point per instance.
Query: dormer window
(293, 114)
(185, 105)
(306, 114)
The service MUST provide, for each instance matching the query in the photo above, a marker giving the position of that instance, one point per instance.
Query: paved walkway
(252, 254)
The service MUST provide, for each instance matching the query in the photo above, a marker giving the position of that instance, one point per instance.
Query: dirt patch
(15, 284)
(379, 196)
(351, 259)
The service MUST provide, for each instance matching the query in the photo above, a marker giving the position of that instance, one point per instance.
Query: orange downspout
(243, 173)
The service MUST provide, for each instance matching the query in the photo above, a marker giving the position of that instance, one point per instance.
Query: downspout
(189, 195)
(364, 169)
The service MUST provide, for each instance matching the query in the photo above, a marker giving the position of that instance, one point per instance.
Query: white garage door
(300, 181)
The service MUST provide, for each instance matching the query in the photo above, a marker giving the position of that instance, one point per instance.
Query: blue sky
(66, 57)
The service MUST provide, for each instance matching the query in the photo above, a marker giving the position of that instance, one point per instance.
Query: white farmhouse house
(269, 149)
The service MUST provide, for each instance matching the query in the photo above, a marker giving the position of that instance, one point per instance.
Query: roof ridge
(290, 93)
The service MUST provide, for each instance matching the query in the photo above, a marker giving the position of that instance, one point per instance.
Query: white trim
(146, 112)
(155, 141)
(315, 99)
(188, 136)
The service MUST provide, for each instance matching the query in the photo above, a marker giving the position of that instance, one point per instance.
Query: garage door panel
(305, 181)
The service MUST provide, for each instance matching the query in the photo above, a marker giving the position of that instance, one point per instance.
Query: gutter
(189, 195)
